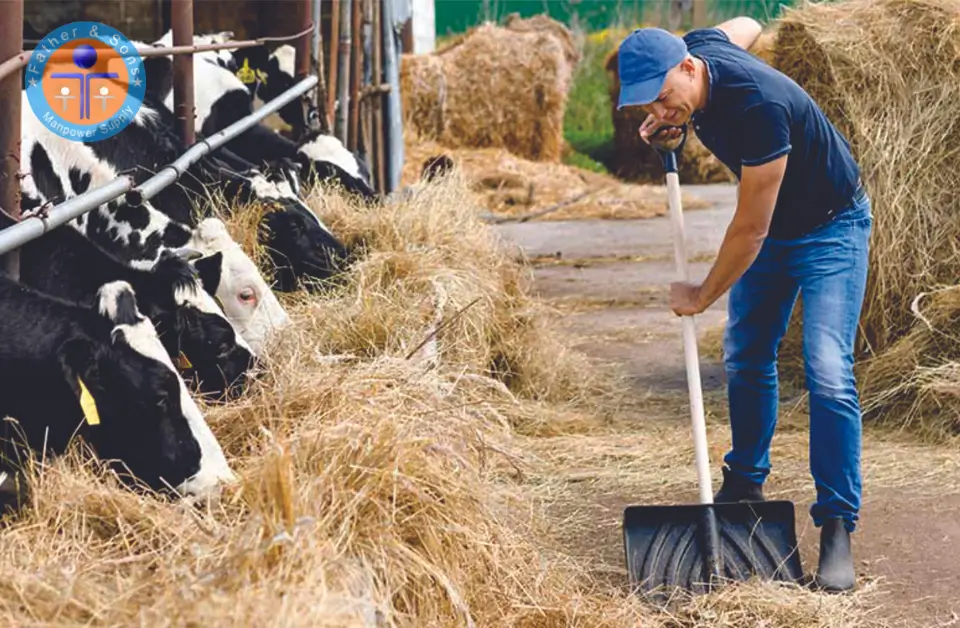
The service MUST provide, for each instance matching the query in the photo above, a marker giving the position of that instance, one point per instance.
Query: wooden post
(11, 43)
(181, 14)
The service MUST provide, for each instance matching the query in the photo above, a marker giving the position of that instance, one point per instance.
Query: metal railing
(35, 225)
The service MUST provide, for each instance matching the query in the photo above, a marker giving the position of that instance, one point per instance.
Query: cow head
(299, 247)
(267, 75)
(324, 156)
(228, 274)
(202, 341)
(139, 413)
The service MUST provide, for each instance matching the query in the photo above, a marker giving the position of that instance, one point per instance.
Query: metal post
(11, 43)
(356, 56)
(377, 143)
(343, 78)
(303, 59)
(394, 124)
(334, 60)
(320, 99)
(181, 14)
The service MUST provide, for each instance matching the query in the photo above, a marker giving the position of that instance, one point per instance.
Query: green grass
(587, 125)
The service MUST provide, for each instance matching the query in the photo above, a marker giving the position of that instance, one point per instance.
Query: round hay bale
(497, 87)
(424, 90)
(637, 161)
(886, 73)
(764, 47)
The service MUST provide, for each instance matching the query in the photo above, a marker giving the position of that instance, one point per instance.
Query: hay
(915, 384)
(635, 160)
(512, 186)
(496, 87)
(765, 47)
(885, 72)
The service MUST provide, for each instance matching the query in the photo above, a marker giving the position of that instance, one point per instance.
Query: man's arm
(759, 186)
(765, 132)
(743, 31)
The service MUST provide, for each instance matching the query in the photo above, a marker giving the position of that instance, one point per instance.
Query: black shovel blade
(666, 547)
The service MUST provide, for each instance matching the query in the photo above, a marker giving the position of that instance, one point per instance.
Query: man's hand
(685, 298)
(666, 137)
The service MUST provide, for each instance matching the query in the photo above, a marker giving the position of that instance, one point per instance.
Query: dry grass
(885, 72)
(383, 481)
(915, 384)
(496, 87)
(512, 186)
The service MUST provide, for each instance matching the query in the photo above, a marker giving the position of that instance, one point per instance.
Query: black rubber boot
(835, 572)
(736, 488)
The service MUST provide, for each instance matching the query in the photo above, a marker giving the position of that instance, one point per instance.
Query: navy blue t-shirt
(755, 114)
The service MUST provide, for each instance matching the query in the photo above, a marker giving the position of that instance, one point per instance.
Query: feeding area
(315, 358)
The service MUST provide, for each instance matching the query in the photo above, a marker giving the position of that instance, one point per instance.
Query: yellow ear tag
(262, 76)
(183, 362)
(88, 405)
(245, 74)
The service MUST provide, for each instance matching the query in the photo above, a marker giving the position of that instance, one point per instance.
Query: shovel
(697, 546)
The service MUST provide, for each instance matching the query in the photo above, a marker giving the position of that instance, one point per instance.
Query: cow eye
(247, 296)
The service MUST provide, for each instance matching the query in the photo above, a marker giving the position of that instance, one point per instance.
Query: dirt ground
(610, 279)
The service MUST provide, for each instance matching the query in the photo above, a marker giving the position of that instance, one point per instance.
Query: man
(802, 223)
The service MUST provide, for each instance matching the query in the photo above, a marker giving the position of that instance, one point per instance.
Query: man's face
(678, 96)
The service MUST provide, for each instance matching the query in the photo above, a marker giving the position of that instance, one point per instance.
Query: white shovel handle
(690, 347)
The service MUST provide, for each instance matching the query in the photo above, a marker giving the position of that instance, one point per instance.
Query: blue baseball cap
(643, 60)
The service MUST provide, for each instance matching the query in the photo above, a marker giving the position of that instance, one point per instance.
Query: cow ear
(79, 360)
(159, 71)
(208, 268)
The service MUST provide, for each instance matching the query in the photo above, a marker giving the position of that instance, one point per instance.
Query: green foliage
(587, 125)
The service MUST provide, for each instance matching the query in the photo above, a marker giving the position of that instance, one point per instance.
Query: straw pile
(916, 382)
(496, 87)
(637, 161)
(515, 187)
(885, 72)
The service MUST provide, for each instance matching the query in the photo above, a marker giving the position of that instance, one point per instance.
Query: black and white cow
(299, 244)
(101, 373)
(221, 98)
(138, 233)
(194, 331)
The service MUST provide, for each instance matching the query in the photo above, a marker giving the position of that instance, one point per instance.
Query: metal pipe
(11, 41)
(343, 78)
(302, 46)
(321, 93)
(172, 172)
(181, 14)
(302, 64)
(378, 100)
(33, 226)
(394, 124)
(22, 58)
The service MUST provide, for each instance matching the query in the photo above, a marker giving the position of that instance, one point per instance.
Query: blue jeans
(829, 266)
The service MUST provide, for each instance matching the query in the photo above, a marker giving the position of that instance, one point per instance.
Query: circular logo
(85, 81)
